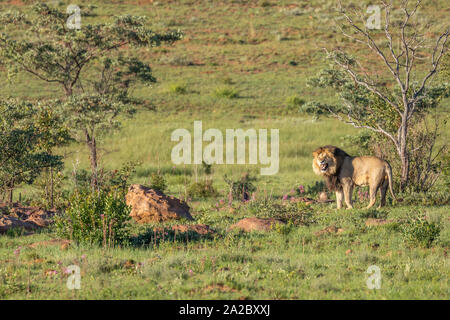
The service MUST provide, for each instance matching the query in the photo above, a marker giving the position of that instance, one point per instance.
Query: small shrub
(117, 180)
(108, 180)
(226, 92)
(207, 168)
(294, 101)
(202, 189)
(241, 188)
(283, 229)
(296, 213)
(178, 88)
(419, 231)
(158, 182)
(94, 218)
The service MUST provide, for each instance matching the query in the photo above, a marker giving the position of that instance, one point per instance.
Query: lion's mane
(331, 175)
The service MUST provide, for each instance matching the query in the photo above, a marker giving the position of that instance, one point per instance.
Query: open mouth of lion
(323, 166)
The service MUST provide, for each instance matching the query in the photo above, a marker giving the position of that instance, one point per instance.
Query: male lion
(342, 172)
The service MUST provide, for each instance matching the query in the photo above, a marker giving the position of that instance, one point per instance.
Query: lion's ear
(333, 150)
(316, 152)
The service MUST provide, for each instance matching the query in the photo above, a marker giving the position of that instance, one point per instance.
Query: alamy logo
(212, 153)
(74, 20)
(374, 20)
(374, 280)
(74, 279)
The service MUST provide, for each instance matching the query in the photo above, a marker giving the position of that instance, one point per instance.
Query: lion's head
(327, 160)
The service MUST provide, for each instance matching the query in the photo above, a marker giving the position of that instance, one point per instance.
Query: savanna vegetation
(85, 113)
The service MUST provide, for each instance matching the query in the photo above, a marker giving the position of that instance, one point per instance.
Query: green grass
(276, 265)
(245, 68)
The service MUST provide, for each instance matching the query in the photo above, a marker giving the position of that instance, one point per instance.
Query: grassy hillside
(239, 65)
(263, 52)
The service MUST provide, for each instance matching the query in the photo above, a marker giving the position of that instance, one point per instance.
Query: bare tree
(402, 47)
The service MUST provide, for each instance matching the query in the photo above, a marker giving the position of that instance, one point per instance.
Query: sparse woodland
(87, 110)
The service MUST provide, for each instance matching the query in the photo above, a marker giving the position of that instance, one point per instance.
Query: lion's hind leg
(372, 195)
(383, 191)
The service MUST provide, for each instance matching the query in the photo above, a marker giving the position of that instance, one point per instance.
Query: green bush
(158, 182)
(295, 101)
(202, 189)
(108, 180)
(295, 213)
(117, 180)
(178, 88)
(419, 231)
(94, 218)
(226, 92)
(241, 188)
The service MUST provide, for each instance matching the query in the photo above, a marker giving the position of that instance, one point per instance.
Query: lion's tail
(389, 173)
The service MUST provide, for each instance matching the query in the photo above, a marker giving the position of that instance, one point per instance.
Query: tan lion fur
(342, 172)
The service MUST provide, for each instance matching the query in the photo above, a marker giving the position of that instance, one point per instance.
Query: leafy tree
(85, 63)
(22, 142)
(386, 103)
(53, 131)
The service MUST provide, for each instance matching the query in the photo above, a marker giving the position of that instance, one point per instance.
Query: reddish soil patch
(371, 222)
(54, 242)
(256, 224)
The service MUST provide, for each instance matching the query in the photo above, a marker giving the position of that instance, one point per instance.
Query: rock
(371, 222)
(201, 229)
(149, 205)
(256, 224)
(29, 218)
(9, 222)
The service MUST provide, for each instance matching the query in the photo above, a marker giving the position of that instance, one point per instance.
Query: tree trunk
(92, 145)
(51, 188)
(11, 189)
(404, 156)
(46, 184)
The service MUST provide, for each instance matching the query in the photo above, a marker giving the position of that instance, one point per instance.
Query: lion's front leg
(339, 198)
(348, 191)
